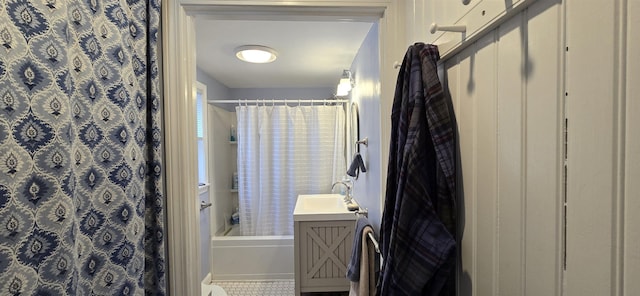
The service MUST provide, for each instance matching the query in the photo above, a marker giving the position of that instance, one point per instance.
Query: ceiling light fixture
(345, 85)
(256, 54)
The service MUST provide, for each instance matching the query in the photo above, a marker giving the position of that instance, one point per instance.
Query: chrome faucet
(347, 197)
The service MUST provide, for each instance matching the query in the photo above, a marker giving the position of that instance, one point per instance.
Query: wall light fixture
(346, 83)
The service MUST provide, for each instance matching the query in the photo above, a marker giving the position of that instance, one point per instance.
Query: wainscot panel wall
(603, 195)
(547, 108)
(631, 205)
(507, 95)
(592, 148)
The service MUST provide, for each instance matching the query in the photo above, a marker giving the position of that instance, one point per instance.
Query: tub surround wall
(221, 154)
(252, 94)
(220, 199)
(222, 165)
(302, 93)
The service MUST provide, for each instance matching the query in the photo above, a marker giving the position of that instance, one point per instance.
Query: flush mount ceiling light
(256, 54)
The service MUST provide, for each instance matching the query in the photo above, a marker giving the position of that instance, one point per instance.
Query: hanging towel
(357, 166)
(361, 270)
(418, 223)
(353, 268)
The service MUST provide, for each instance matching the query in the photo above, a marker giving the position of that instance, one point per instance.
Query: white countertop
(322, 207)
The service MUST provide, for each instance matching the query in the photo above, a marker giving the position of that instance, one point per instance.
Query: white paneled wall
(603, 196)
(543, 205)
(512, 90)
(592, 149)
(631, 205)
(507, 96)
(511, 153)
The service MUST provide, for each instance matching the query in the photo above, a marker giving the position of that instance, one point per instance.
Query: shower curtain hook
(299, 103)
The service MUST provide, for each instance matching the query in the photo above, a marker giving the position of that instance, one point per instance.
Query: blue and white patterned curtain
(81, 191)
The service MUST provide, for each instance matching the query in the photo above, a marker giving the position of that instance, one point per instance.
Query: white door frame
(179, 68)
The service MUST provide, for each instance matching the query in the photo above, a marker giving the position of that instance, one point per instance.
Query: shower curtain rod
(278, 101)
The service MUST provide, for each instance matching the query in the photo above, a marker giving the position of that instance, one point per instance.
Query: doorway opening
(180, 74)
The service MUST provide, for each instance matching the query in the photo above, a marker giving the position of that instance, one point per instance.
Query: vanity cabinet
(322, 252)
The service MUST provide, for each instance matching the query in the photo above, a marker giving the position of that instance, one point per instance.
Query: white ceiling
(310, 53)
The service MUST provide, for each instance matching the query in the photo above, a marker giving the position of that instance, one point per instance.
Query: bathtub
(235, 257)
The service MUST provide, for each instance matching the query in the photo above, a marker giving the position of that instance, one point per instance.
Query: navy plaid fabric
(418, 223)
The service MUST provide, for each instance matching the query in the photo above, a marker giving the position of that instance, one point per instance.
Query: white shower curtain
(283, 152)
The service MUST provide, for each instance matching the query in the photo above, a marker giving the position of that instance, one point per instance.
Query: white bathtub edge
(252, 258)
(255, 277)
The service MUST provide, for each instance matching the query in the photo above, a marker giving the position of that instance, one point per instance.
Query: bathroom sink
(321, 202)
(321, 207)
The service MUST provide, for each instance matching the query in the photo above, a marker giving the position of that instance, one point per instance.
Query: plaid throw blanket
(418, 223)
